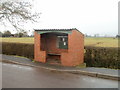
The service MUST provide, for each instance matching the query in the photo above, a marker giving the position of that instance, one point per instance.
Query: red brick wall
(71, 57)
(49, 44)
(75, 55)
(38, 54)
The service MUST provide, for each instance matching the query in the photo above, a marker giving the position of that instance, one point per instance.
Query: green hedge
(19, 49)
(94, 56)
(102, 57)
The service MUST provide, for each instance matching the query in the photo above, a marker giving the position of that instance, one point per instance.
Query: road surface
(18, 76)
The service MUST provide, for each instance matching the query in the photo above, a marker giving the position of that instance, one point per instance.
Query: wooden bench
(54, 54)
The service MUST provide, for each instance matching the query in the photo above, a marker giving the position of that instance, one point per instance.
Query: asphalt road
(18, 76)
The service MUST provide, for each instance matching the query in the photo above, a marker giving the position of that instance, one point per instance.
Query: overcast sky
(88, 16)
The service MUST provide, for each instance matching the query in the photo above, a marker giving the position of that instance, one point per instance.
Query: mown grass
(101, 42)
(18, 40)
(97, 42)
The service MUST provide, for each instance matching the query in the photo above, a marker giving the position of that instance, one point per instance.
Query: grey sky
(89, 16)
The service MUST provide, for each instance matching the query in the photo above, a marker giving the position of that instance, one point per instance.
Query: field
(98, 42)
(18, 40)
(101, 42)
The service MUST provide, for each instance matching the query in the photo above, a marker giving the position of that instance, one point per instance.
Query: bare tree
(6, 33)
(17, 13)
(1, 34)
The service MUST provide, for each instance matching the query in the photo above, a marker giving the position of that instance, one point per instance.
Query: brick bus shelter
(66, 46)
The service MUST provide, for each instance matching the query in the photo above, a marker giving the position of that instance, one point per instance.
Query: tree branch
(17, 12)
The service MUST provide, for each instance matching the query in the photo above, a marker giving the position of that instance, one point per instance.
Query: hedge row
(102, 57)
(94, 56)
(19, 49)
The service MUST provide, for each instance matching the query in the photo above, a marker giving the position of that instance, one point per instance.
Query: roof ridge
(56, 29)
